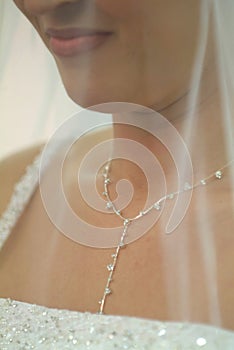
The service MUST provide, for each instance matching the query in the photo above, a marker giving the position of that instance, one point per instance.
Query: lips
(74, 41)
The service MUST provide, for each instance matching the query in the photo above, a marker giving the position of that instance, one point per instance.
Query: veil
(24, 63)
(205, 130)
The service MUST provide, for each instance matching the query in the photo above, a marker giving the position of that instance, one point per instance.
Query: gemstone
(218, 174)
(162, 332)
(170, 196)
(109, 205)
(107, 291)
(107, 181)
(104, 194)
(201, 341)
(92, 329)
(203, 182)
(110, 267)
(126, 221)
(157, 206)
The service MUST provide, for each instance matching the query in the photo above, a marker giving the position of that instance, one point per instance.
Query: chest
(184, 276)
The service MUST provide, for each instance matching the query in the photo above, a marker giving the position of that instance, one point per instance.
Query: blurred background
(33, 101)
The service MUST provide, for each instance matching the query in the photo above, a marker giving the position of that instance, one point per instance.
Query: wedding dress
(30, 326)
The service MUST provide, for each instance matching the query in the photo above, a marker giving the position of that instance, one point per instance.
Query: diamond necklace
(218, 174)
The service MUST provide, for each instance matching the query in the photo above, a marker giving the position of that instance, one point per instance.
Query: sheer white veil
(216, 24)
(216, 19)
(26, 64)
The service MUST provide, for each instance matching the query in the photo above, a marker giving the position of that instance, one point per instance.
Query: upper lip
(67, 33)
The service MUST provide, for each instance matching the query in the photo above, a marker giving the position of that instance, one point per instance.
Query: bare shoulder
(11, 169)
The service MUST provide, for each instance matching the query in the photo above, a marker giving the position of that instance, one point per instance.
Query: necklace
(217, 175)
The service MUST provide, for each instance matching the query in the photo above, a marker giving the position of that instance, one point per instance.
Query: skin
(156, 69)
(52, 270)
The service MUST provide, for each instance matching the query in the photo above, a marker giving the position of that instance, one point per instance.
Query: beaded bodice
(30, 326)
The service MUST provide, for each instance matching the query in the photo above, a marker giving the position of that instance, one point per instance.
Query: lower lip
(77, 45)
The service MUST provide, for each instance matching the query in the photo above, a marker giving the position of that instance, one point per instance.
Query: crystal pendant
(157, 206)
(107, 291)
(218, 174)
(126, 222)
(110, 267)
(170, 196)
(109, 205)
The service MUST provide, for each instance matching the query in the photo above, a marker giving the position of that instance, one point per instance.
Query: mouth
(74, 41)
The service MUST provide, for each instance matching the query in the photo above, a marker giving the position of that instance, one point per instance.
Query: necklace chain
(217, 175)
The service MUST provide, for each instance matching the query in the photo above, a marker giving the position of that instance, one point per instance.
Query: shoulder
(11, 170)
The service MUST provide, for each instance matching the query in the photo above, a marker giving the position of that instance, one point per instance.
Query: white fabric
(25, 64)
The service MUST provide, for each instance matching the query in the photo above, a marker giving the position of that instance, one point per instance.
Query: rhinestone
(109, 205)
(107, 181)
(110, 267)
(92, 329)
(100, 301)
(170, 196)
(157, 206)
(218, 174)
(107, 291)
(121, 244)
(126, 222)
(42, 340)
(201, 341)
(203, 182)
(162, 332)
(141, 213)
(113, 255)
(104, 194)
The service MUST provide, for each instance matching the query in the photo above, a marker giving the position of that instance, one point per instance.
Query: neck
(198, 119)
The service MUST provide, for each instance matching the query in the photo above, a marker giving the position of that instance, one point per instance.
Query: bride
(157, 262)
